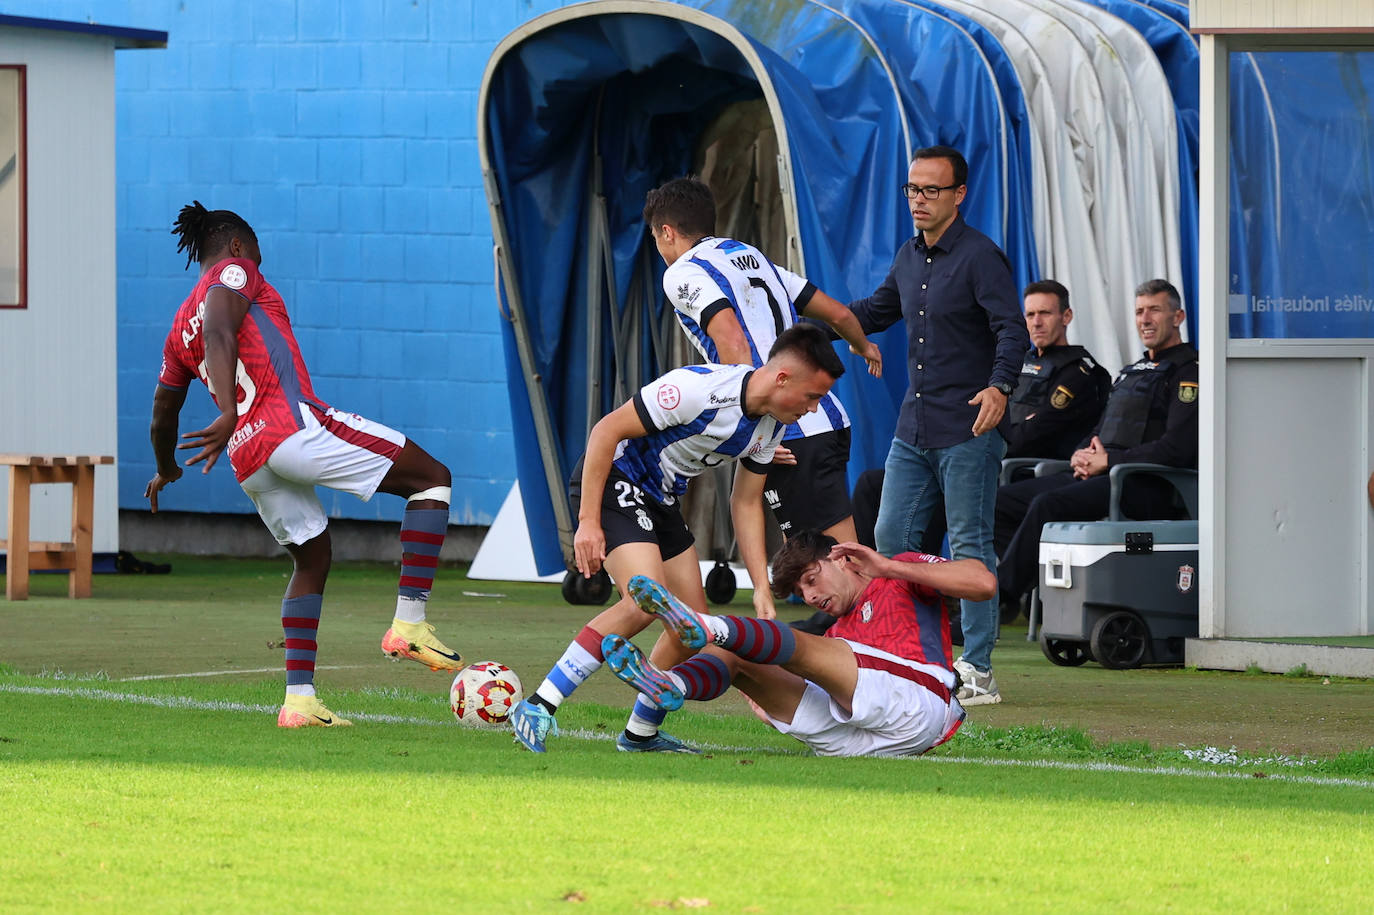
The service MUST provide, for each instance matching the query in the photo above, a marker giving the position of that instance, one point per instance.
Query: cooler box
(1122, 593)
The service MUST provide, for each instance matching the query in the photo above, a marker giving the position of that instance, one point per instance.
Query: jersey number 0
(245, 384)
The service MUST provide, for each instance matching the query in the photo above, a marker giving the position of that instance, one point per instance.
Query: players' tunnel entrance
(581, 112)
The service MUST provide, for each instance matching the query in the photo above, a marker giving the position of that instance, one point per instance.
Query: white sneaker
(977, 687)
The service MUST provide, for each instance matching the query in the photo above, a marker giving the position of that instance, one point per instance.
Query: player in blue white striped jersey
(638, 461)
(733, 303)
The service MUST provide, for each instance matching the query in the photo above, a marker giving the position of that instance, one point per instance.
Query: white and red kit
(900, 618)
(286, 440)
(272, 381)
(903, 699)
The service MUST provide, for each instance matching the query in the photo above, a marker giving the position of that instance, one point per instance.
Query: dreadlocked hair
(203, 231)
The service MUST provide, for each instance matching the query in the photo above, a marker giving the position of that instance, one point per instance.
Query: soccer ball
(484, 694)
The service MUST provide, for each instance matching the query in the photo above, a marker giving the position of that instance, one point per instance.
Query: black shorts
(814, 493)
(631, 515)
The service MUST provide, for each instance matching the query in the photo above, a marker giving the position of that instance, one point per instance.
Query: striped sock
(422, 536)
(702, 677)
(760, 641)
(582, 658)
(644, 720)
(300, 621)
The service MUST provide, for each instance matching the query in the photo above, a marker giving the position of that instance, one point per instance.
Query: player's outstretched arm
(589, 542)
(167, 404)
(224, 312)
(847, 325)
(746, 511)
(965, 578)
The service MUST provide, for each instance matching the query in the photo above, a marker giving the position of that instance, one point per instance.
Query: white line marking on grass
(228, 673)
(216, 705)
(186, 702)
(1335, 781)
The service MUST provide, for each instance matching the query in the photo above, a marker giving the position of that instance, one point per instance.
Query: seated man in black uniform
(1151, 416)
(1062, 390)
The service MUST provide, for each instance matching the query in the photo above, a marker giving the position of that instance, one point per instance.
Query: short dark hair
(810, 344)
(686, 204)
(955, 158)
(795, 555)
(204, 233)
(1155, 287)
(1051, 287)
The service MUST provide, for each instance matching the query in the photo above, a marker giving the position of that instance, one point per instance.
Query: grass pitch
(179, 794)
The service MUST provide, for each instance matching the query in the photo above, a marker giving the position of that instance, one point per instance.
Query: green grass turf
(221, 614)
(1075, 793)
(117, 806)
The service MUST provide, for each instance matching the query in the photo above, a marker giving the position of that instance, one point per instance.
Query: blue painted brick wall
(345, 133)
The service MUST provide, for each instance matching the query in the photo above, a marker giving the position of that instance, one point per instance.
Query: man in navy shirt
(966, 339)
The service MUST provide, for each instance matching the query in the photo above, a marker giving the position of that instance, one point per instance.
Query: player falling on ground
(879, 682)
(282, 441)
(638, 461)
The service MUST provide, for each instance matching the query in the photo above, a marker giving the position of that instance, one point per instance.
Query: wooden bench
(24, 555)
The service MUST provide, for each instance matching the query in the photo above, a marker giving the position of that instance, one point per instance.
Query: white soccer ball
(484, 694)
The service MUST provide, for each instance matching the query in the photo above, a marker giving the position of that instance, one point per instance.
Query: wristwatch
(1003, 387)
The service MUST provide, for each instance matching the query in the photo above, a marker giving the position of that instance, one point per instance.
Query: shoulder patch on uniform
(669, 396)
(234, 276)
(1061, 397)
(1187, 391)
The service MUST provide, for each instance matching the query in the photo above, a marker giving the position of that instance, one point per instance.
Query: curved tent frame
(584, 109)
(565, 244)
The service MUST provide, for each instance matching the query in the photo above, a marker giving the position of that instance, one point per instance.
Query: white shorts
(346, 452)
(896, 710)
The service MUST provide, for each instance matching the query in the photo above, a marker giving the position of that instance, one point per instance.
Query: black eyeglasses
(929, 192)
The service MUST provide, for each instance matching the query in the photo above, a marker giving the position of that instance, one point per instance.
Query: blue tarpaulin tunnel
(582, 111)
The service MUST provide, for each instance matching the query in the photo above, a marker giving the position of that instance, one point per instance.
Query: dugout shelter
(57, 267)
(584, 109)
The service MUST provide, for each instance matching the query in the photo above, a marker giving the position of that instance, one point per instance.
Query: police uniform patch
(1061, 397)
(1187, 392)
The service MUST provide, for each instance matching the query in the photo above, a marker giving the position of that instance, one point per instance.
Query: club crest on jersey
(644, 520)
(866, 611)
(234, 277)
(669, 396)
